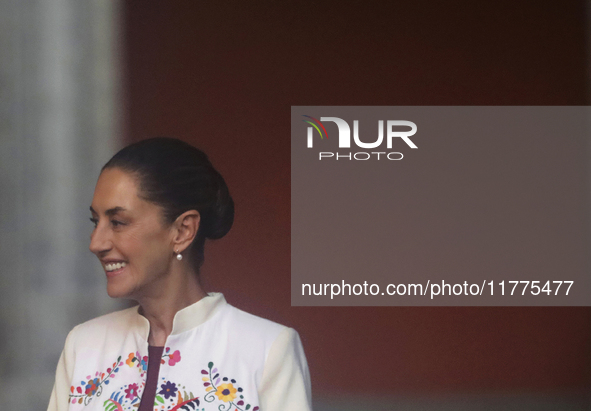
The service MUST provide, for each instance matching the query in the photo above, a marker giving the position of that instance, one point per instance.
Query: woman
(154, 205)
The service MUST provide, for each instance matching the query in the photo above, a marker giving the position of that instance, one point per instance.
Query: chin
(116, 293)
(115, 290)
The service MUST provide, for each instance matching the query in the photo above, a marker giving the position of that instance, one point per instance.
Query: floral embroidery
(125, 397)
(172, 358)
(118, 399)
(169, 389)
(128, 395)
(139, 361)
(131, 391)
(225, 392)
(172, 395)
(184, 401)
(93, 386)
(130, 359)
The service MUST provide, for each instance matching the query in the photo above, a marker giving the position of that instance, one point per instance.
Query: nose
(100, 242)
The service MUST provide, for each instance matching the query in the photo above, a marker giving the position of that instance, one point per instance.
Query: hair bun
(179, 177)
(221, 214)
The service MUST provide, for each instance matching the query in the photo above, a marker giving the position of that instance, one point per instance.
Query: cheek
(132, 244)
(155, 261)
(149, 247)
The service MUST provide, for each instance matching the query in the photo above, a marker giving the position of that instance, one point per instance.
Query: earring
(179, 256)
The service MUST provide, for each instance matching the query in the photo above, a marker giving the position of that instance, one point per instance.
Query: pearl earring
(179, 256)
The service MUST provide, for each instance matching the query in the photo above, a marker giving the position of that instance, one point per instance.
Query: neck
(176, 291)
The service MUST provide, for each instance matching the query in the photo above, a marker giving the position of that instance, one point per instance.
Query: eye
(94, 221)
(116, 223)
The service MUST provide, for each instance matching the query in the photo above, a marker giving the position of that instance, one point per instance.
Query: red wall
(223, 76)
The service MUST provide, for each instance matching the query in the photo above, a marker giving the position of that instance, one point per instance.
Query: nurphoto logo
(401, 129)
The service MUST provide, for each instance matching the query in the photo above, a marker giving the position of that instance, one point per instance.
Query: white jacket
(216, 358)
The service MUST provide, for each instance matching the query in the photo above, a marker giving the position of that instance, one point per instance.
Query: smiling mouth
(112, 267)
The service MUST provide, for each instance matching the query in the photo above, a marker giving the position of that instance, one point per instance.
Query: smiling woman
(133, 241)
(154, 205)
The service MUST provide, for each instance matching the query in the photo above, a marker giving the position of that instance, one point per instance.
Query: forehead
(117, 188)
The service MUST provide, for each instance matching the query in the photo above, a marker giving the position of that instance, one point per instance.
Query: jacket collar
(189, 317)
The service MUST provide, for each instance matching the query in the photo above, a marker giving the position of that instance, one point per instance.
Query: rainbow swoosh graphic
(316, 127)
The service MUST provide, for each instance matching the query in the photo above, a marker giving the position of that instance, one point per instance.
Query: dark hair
(179, 177)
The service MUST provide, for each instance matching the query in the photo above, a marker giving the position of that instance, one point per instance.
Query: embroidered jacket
(216, 358)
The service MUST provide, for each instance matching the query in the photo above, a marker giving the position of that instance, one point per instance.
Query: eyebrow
(110, 212)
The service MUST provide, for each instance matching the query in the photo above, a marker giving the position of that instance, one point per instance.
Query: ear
(186, 226)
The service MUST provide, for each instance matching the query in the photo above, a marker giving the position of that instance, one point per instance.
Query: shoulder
(252, 325)
(275, 349)
(118, 322)
(247, 333)
(114, 319)
(253, 332)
